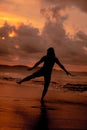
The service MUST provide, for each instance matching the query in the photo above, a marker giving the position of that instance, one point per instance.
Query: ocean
(59, 80)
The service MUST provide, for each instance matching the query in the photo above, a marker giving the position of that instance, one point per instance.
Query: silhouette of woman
(45, 70)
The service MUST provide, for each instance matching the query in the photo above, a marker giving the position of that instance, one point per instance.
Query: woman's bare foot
(19, 82)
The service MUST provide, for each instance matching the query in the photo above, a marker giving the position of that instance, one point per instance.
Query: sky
(29, 28)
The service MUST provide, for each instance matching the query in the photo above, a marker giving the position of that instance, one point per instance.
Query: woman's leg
(46, 85)
(36, 74)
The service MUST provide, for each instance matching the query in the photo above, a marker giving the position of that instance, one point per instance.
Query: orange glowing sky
(39, 24)
(18, 11)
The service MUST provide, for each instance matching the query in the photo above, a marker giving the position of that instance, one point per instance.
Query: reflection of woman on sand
(42, 123)
(46, 69)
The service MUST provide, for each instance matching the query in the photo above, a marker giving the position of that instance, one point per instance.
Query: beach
(21, 109)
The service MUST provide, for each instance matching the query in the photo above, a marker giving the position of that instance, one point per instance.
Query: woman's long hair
(50, 52)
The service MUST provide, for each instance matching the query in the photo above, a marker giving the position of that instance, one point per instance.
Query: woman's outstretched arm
(61, 66)
(37, 63)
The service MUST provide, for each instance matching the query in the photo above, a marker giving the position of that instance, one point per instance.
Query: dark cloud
(6, 29)
(28, 44)
(82, 4)
(29, 38)
(70, 51)
(26, 41)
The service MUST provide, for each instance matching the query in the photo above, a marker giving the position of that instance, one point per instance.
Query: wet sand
(21, 109)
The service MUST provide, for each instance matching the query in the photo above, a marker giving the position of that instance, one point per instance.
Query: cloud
(29, 38)
(70, 51)
(17, 11)
(24, 44)
(82, 4)
(19, 42)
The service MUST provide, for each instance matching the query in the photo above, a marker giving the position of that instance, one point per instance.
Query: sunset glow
(17, 46)
(12, 20)
(12, 34)
(29, 28)
(70, 31)
(3, 38)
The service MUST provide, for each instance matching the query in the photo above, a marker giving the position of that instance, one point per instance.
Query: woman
(46, 70)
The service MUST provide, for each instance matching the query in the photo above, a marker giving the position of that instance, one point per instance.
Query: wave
(67, 102)
(76, 87)
(55, 85)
